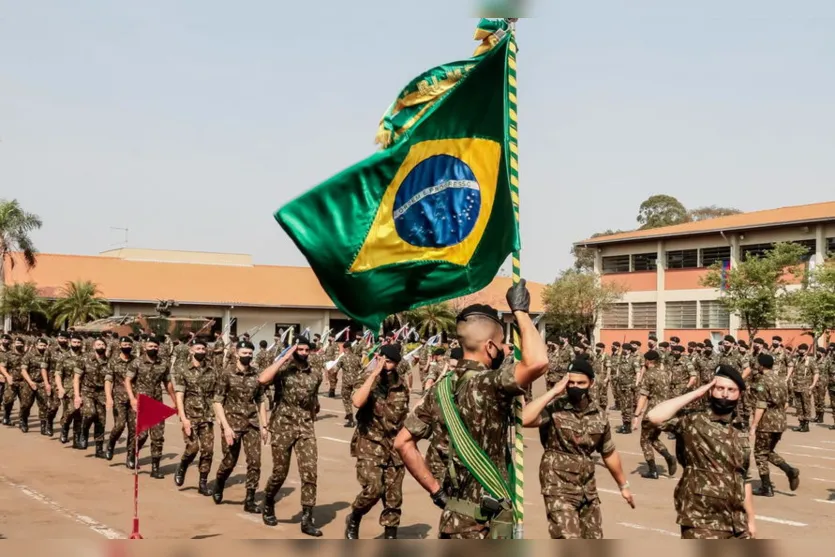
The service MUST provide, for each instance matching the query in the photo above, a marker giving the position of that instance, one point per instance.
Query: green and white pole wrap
(519, 439)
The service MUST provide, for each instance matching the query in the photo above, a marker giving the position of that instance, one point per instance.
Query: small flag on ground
(150, 412)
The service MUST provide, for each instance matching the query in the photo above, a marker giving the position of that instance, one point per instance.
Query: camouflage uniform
(571, 436)
(351, 366)
(680, 373)
(630, 365)
(291, 426)
(435, 370)
(656, 386)
(64, 373)
(117, 371)
(830, 364)
(262, 360)
(484, 399)
(218, 349)
(824, 367)
(715, 454)
(317, 363)
(92, 371)
(240, 394)
(332, 353)
(558, 361)
(198, 387)
(181, 353)
(602, 377)
(772, 395)
(34, 361)
(380, 470)
(147, 377)
(13, 360)
(805, 369)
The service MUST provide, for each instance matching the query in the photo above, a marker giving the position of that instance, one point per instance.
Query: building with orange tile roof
(661, 268)
(214, 285)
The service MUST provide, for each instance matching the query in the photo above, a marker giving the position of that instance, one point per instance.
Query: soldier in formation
(655, 388)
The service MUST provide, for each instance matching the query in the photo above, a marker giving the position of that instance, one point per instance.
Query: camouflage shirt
(772, 394)
(297, 398)
(805, 369)
(630, 365)
(66, 369)
(197, 383)
(147, 376)
(715, 454)
(181, 352)
(435, 370)
(317, 362)
(13, 361)
(781, 360)
(351, 366)
(379, 420)
(117, 372)
(240, 394)
(571, 436)
(263, 359)
(681, 371)
(656, 386)
(92, 370)
(35, 361)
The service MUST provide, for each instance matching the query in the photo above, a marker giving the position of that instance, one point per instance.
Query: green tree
(20, 301)
(79, 303)
(576, 300)
(755, 288)
(661, 210)
(16, 225)
(710, 212)
(431, 319)
(814, 304)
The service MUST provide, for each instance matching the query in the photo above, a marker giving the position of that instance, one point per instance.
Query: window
(754, 250)
(616, 316)
(714, 255)
(681, 315)
(714, 315)
(281, 327)
(811, 247)
(616, 264)
(683, 259)
(644, 261)
(643, 315)
(830, 248)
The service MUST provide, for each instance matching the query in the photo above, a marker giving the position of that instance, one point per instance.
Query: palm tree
(21, 300)
(78, 304)
(15, 227)
(432, 319)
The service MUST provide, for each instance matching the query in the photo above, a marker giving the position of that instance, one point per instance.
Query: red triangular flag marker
(150, 412)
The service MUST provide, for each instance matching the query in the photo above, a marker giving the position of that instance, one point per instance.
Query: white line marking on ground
(829, 442)
(824, 501)
(249, 517)
(335, 440)
(648, 529)
(630, 453)
(90, 523)
(814, 448)
(781, 521)
(612, 491)
(823, 480)
(811, 456)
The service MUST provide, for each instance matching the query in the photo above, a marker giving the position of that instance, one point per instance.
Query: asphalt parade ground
(50, 491)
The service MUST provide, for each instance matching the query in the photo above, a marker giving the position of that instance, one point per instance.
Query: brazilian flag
(429, 217)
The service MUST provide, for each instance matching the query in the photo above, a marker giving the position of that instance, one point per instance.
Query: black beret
(600, 345)
(200, 341)
(43, 340)
(347, 344)
(675, 339)
(664, 344)
(125, 339)
(708, 343)
(692, 344)
(731, 373)
(743, 344)
(481, 310)
(821, 350)
(651, 356)
(19, 339)
(75, 336)
(766, 360)
(635, 342)
(729, 338)
(303, 340)
(678, 348)
(438, 352)
(244, 344)
(456, 353)
(616, 343)
(653, 337)
(777, 338)
(832, 345)
(581, 365)
(390, 352)
(6, 337)
(62, 334)
(758, 340)
(700, 345)
(803, 346)
(154, 339)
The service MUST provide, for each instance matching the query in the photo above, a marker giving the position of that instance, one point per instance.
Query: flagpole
(519, 441)
(135, 535)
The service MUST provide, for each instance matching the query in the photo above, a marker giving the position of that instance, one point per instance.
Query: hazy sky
(191, 122)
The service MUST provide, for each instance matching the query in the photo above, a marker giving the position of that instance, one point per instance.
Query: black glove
(439, 498)
(518, 297)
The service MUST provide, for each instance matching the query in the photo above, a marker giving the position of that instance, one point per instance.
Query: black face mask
(41, 350)
(19, 348)
(101, 351)
(199, 356)
(245, 360)
(497, 360)
(722, 406)
(62, 343)
(301, 358)
(75, 348)
(576, 395)
(152, 353)
(127, 350)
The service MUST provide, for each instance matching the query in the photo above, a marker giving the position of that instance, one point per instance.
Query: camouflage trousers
(53, 403)
(157, 434)
(692, 533)
(569, 520)
(14, 390)
(600, 392)
(122, 416)
(93, 413)
(70, 417)
(764, 446)
(202, 439)
(650, 440)
(803, 403)
(307, 460)
(346, 398)
(333, 377)
(380, 482)
(28, 396)
(628, 392)
(250, 439)
(820, 395)
(832, 398)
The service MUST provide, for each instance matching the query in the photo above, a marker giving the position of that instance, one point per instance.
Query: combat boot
(805, 427)
(766, 488)
(180, 474)
(65, 433)
(793, 474)
(49, 428)
(349, 421)
(100, 450)
(332, 393)
(7, 415)
(651, 473)
(43, 427)
(391, 533)
(155, 471)
(83, 440)
(352, 526)
(24, 424)
(249, 502)
(220, 484)
(818, 417)
(111, 445)
(308, 524)
(130, 461)
(203, 486)
(268, 511)
(672, 465)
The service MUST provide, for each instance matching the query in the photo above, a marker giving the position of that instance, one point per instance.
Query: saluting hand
(704, 389)
(560, 387)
